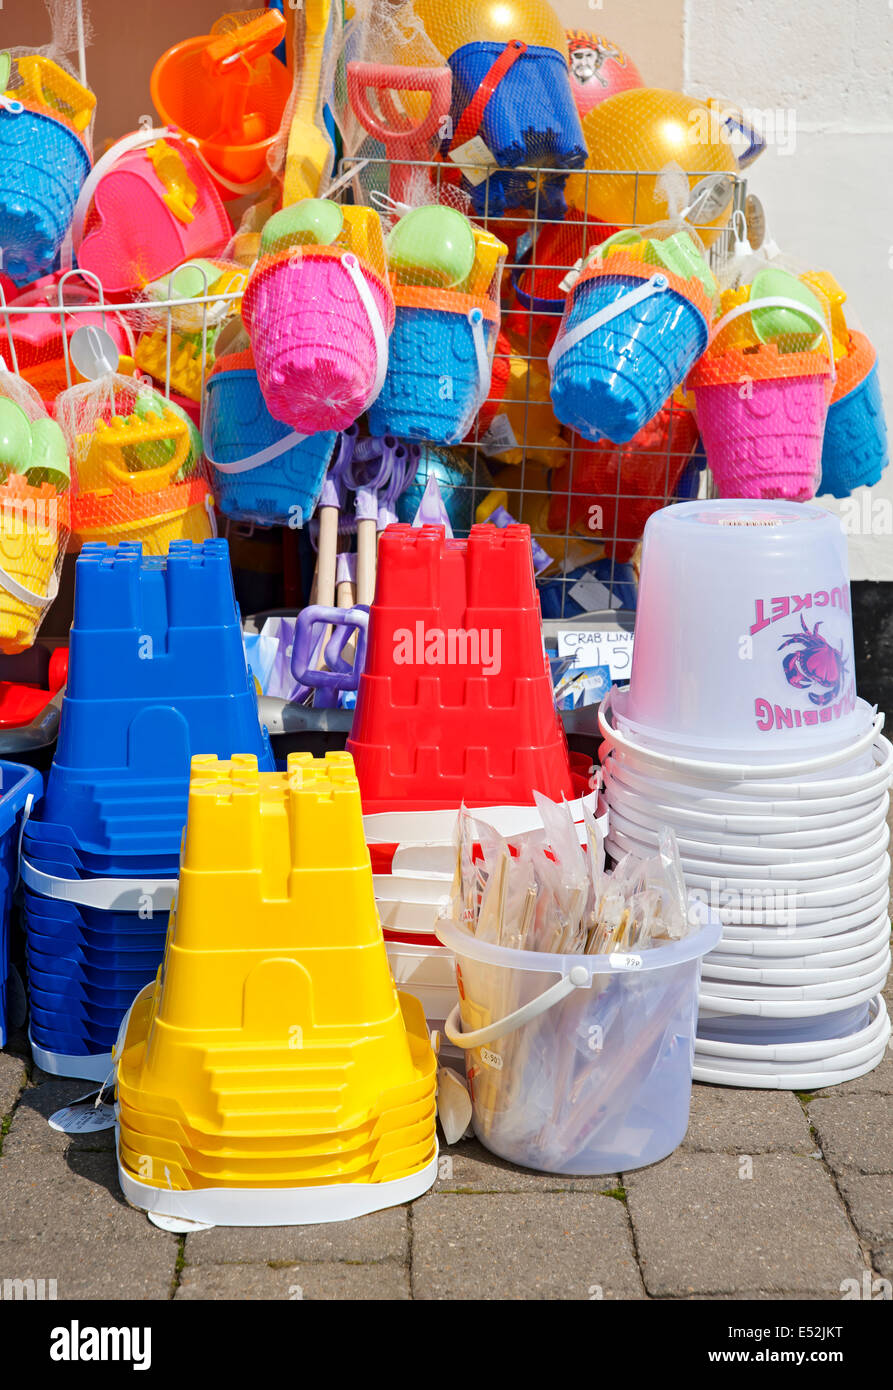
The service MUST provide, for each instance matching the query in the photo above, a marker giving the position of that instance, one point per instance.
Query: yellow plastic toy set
(271, 1074)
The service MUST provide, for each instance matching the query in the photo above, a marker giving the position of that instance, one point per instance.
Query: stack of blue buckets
(157, 674)
(20, 787)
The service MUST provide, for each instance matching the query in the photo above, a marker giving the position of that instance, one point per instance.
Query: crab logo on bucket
(816, 667)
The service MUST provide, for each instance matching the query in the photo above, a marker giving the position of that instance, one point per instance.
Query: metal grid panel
(367, 180)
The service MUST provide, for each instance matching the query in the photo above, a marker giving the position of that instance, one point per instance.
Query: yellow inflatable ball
(643, 130)
(450, 24)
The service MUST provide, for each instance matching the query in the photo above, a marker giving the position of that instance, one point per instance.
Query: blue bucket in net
(531, 119)
(438, 374)
(625, 345)
(238, 430)
(43, 165)
(854, 449)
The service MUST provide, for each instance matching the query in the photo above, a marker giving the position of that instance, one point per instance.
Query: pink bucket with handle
(319, 321)
(761, 414)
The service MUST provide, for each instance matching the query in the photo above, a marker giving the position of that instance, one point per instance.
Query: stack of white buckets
(742, 730)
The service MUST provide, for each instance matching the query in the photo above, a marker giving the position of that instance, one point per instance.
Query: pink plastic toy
(319, 321)
(149, 205)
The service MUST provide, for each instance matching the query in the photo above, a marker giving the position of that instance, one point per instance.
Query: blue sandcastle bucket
(238, 426)
(612, 381)
(531, 119)
(854, 450)
(438, 374)
(43, 165)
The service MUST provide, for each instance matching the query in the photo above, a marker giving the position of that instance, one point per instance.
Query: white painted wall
(828, 66)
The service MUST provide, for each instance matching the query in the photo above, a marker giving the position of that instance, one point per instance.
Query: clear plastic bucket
(578, 1064)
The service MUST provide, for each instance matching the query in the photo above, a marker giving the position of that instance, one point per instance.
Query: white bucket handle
(741, 772)
(118, 894)
(28, 596)
(779, 302)
(273, 451)
(578, 977)
(656, 285)
(352, 266)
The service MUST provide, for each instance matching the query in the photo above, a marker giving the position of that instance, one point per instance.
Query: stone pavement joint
(706, 1223)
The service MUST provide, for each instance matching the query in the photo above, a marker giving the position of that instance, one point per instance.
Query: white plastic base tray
(275, 1206)
(95, 1068)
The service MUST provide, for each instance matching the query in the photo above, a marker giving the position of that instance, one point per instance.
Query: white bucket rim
(820, 1049)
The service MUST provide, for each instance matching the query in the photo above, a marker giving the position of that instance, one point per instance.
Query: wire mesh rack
(583, 503)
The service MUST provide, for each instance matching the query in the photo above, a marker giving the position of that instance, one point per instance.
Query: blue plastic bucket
(433, 388)
(854, 450)
(42, 849)
(43, 165)
(609, 384)
(238, 425)
(530, 119)
(17, 783)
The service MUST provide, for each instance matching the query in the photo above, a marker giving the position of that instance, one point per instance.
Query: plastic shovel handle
(578, 977)
(404, 140)
(656, 285)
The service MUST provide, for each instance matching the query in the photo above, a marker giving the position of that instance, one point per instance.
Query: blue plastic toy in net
(854, 449)
(641, 339)
(262, 470)
(43, 165)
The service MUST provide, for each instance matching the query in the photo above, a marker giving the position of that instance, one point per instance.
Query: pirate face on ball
(585, 63)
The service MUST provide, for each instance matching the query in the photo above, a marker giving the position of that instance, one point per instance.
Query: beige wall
(128, 38)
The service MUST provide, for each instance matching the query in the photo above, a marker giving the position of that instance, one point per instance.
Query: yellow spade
(309, 153)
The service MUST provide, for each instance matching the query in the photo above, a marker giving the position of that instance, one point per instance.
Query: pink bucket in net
(766, 444)
(761, 414)
(319, 321)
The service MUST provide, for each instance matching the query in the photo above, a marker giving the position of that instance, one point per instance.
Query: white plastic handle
(120, 894)
(12, 586)
(578, 977)
(137, 140)
(779, 302)
(352, 266)
(656, 285)
(273, 451)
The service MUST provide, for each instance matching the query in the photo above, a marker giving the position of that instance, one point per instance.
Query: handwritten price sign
(609, 647)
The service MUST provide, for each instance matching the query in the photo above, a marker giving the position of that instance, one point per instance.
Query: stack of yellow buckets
(271, 1074)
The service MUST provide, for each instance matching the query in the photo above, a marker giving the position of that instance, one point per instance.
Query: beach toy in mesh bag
(631, 137)
(227, 92)
(599, 69)
(215, 287)
(139, 465)
(445, 276)
(149, 205)
(854, 449)
(318, 310)
(34, 511)
(45, 114)
(762, 389)
(263, 471)
(637, 319)
(515, 126)
(609, 490)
